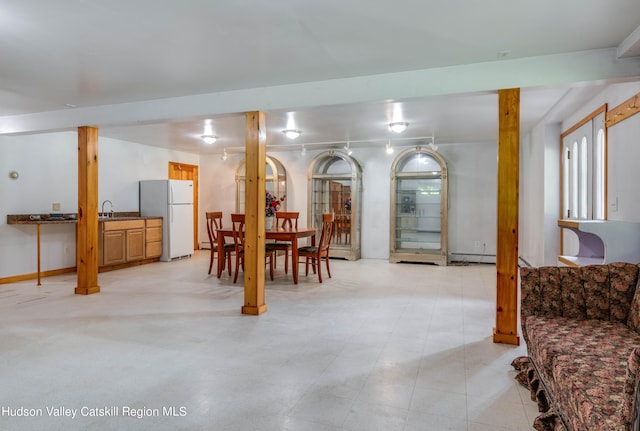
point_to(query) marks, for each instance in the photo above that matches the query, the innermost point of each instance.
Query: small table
(26, 219)
(276, 233)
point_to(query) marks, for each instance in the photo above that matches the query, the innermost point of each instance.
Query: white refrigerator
(173, 201)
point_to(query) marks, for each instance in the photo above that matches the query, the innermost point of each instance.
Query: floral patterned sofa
(582, 329)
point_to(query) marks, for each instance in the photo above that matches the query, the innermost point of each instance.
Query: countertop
(68, 218)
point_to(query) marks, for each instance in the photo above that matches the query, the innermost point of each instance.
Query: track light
(433, 146)
(303, 151)
(292, 133)
(398, 126)
(209, 139)
(348, 149)
(224, 155)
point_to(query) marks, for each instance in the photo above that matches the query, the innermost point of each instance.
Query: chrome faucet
(110, 212)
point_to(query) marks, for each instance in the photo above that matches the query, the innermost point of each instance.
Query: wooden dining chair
(343, 227)
(287, 220)
(315, 253)
(214, 222)
(237, 224)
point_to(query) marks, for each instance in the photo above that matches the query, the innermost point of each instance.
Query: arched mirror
(335, 186)
(418, 228)
(275, 182)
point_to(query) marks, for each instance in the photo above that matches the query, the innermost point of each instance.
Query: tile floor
(164, 347)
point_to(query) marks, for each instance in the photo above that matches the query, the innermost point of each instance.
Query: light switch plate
(55, 206)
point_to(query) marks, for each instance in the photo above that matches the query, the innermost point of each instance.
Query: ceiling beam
(630, 47)
(559, 69)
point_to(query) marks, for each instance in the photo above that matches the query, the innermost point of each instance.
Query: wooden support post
(87, 235)
(506, 330)
(38, 251)
(256, 153)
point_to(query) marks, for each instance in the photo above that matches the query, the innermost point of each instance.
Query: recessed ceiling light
(292, 133)
(209, 139)
(398, 126)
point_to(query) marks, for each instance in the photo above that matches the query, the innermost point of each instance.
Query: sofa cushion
(554, 336)
(633, 321)
(595, 280)
(590, 390)
(622, 277)
(529, 291)
(572, 293)
(550, 302)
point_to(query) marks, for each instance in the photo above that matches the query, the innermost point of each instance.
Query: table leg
(294, 258)
(38, 247)
(221, 255)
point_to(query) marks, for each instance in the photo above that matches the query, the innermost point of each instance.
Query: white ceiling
(74, 59)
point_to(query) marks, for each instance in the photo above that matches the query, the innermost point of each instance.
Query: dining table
(276, 233)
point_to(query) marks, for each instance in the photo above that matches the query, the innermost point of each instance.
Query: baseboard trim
(128, 264)
(34, 275)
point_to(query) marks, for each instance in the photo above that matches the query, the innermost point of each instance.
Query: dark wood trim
(34, 275)
(584, 121)
(128, 264)
(625, 110)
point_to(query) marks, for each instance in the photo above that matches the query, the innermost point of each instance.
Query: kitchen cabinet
(135, 244)
(153, 238)
(112, 248)
(121, 241)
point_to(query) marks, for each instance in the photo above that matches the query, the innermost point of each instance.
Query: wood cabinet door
(154, 249)
(113, 247)
(135, 244)
(153, 238)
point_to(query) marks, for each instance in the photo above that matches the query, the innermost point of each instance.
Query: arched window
(275, 182)
(583, 166)
(335, 186)
(583, 175)
(599, 176)
(418, 207)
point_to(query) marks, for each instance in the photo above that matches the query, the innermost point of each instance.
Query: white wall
(123, 164)
(624, 172)
(540, 176)
(47, 164)
(540, 195)
(48, 168)
(472, 194)
(472, 199)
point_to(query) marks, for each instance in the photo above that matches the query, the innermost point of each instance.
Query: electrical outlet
(55, 206)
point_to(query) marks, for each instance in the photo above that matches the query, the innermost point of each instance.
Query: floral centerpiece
(272, 205)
